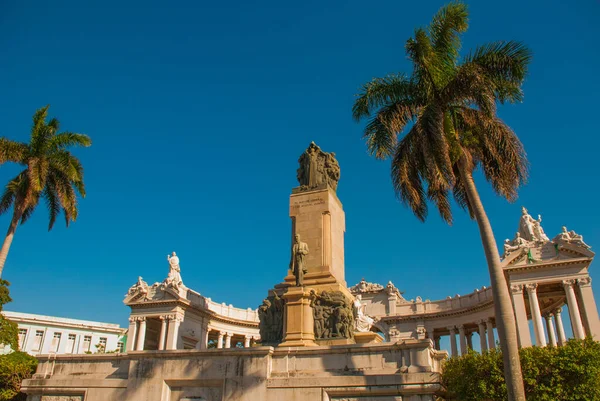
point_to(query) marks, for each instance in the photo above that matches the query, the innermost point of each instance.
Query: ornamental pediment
(141, 292)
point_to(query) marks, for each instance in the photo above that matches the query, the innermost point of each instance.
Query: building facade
(43, 335)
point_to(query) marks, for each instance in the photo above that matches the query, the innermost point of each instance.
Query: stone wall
(371, 371)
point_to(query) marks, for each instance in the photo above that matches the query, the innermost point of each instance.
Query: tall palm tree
(447, 107)
(51, 172)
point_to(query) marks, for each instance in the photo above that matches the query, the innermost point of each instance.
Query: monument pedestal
(299, 323)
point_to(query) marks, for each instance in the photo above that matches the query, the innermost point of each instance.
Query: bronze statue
(270, 315)
(317, 169)
(297, 262)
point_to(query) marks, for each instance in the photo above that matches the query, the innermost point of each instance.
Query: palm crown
(51, 171)
(448, 107)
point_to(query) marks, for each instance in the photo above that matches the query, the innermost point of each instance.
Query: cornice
(437, 315)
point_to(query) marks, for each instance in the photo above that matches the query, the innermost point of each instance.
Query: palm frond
(12, 151)
(445, 30)
(67, 139)
(506, 63)
(379, 92)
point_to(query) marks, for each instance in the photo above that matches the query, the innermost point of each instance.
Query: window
(121, 346)
(37, 343)
(55, 342)
(71, 344)
(22, 335)
(87, 342)
(102, 344)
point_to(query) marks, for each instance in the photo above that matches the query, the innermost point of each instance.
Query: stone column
(588, 306)
(470, 340)
(247, 341)
(482, 339)
(573, 309)
(463, 339)
(173, 332)
(520, 315)
(228, 340)
(436, 342)
(163, 333)
(220, 340)
(562, 338)
(204, 340)
(490, 333)
(141, 334)
(131, 334)
(453, 346)
(538, 325)
(550, 330)
(392, 300)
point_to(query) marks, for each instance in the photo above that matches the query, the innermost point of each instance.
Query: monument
(313, 338)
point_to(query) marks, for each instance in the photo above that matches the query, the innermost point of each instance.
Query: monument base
(299, 322)
(367, 338)
(335, 341)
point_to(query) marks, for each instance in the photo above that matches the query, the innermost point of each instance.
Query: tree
(51, 172)
(448, 108)
(568, 373)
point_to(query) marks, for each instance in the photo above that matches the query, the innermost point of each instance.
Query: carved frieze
(334, 316)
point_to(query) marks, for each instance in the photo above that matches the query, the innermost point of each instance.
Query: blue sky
(198, 112)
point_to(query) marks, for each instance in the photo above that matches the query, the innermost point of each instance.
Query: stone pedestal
(318, 217)
(367, 338)
(299, 325)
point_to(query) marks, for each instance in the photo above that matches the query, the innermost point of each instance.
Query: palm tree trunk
(18, 212)
(505, 319)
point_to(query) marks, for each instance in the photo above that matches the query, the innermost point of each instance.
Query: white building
(40, 334)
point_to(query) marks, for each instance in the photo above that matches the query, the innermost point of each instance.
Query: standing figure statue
(174, 277)
(526, 226)
(317, 169)
(297, 262)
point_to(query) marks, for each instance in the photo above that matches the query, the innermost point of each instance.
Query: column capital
(569, 282)
(584, 281)
(558, 312)
(481, 323)
(548, 315)
(132, 319)
(490, 320)
(461, 327)
(451, 328)
(532, 287)
(221, 334)
(140, 318)
(516, 288)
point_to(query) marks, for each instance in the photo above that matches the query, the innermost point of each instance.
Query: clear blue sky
(198, 112)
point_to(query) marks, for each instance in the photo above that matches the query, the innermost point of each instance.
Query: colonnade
(167, 339)
(485, 328)
(224, 339)
(583, 314)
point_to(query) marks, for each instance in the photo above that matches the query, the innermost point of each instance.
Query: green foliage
(446, 109)
(13, 369)
(9, 331)
(567, 373)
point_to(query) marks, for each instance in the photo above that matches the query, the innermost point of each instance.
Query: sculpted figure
(538, 231)
(363, 322)
(526, 225)
(174, 277)
(317, 168)
(570, 237)
(297, 262)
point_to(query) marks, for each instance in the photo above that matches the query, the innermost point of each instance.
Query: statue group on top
(531, 234)
(317, 168)
(173, 279)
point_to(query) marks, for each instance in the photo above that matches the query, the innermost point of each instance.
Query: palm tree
(51, 172)
(448, 108)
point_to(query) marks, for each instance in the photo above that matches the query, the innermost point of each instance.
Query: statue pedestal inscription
(299, 323)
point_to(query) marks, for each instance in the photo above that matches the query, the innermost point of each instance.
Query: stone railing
(222, 309)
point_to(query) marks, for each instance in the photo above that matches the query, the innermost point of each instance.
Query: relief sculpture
(333, 315)
(270, 315)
